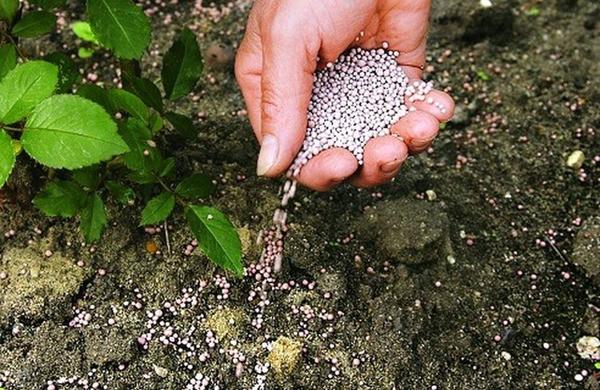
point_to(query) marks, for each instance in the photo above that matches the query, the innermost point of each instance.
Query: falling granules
(355, 99)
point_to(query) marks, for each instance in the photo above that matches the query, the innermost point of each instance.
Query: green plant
(83, 31)
(97, 156)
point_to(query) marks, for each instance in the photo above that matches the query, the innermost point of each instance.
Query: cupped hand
(275, 64)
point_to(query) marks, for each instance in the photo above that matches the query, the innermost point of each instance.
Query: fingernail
(390, 167)
(268, 154)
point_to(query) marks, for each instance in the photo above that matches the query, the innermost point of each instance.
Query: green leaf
(145, 90)
(142, 177)
(98, 95)
(34, 24)
(167, 167)
(88, 177)
(217, 237)
(7, 157)
(128, 102)
(68, 73)
(8, 9)
(482, 74)
(158, 209)
(182, 66)
(85, 52)
(24, 87)
(197, 186)
(8, 59)
(155, 123)
(48, 4)
(120, 25)
(141, 156)
(93, 219)
(60, 199)
(533, 11)
(183, 124)
(120, 192)
(68, 131)
(83, 31)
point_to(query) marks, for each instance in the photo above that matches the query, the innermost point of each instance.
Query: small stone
(160, 371)
(576, 159)
(588, 347)
(431, 195)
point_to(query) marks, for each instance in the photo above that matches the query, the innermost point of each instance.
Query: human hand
(275, 65)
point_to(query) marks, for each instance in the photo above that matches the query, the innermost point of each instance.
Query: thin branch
(12, 40)
(179, 201)
(166, 228)
(555, 249)
(9, 128)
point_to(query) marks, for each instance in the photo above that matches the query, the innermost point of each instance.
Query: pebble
(576, 159)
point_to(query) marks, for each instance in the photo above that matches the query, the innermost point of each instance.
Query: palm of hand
(278, 57)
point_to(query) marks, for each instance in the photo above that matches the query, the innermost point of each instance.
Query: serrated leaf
(48, 4)
(183, 124)
(141, 157)
(182, 66)
(7, 157)
(88, 177)
(8, 9)
(158, 209)
(145, 90)
(93, 219)
(197, 186)
(8, 59)
(83, 31)
(24, 87)
(34, 24)
(68, 131)
(126, 101)
(121, 26)
(98, 95)
(120, 192)
(60, 199)
(216, 236)
(68, 73)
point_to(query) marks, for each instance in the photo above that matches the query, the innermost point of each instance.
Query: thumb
(286, 85)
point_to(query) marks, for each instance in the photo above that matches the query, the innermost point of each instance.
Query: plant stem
(9, 128)
(166, 229)
(162, 183)
(179, 201)
(12, 40)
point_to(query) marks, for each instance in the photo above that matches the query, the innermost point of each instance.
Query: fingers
(418, 129)
(328, 169)
(286, 86)
(248, 69)
(437, 103)
(383, 158)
